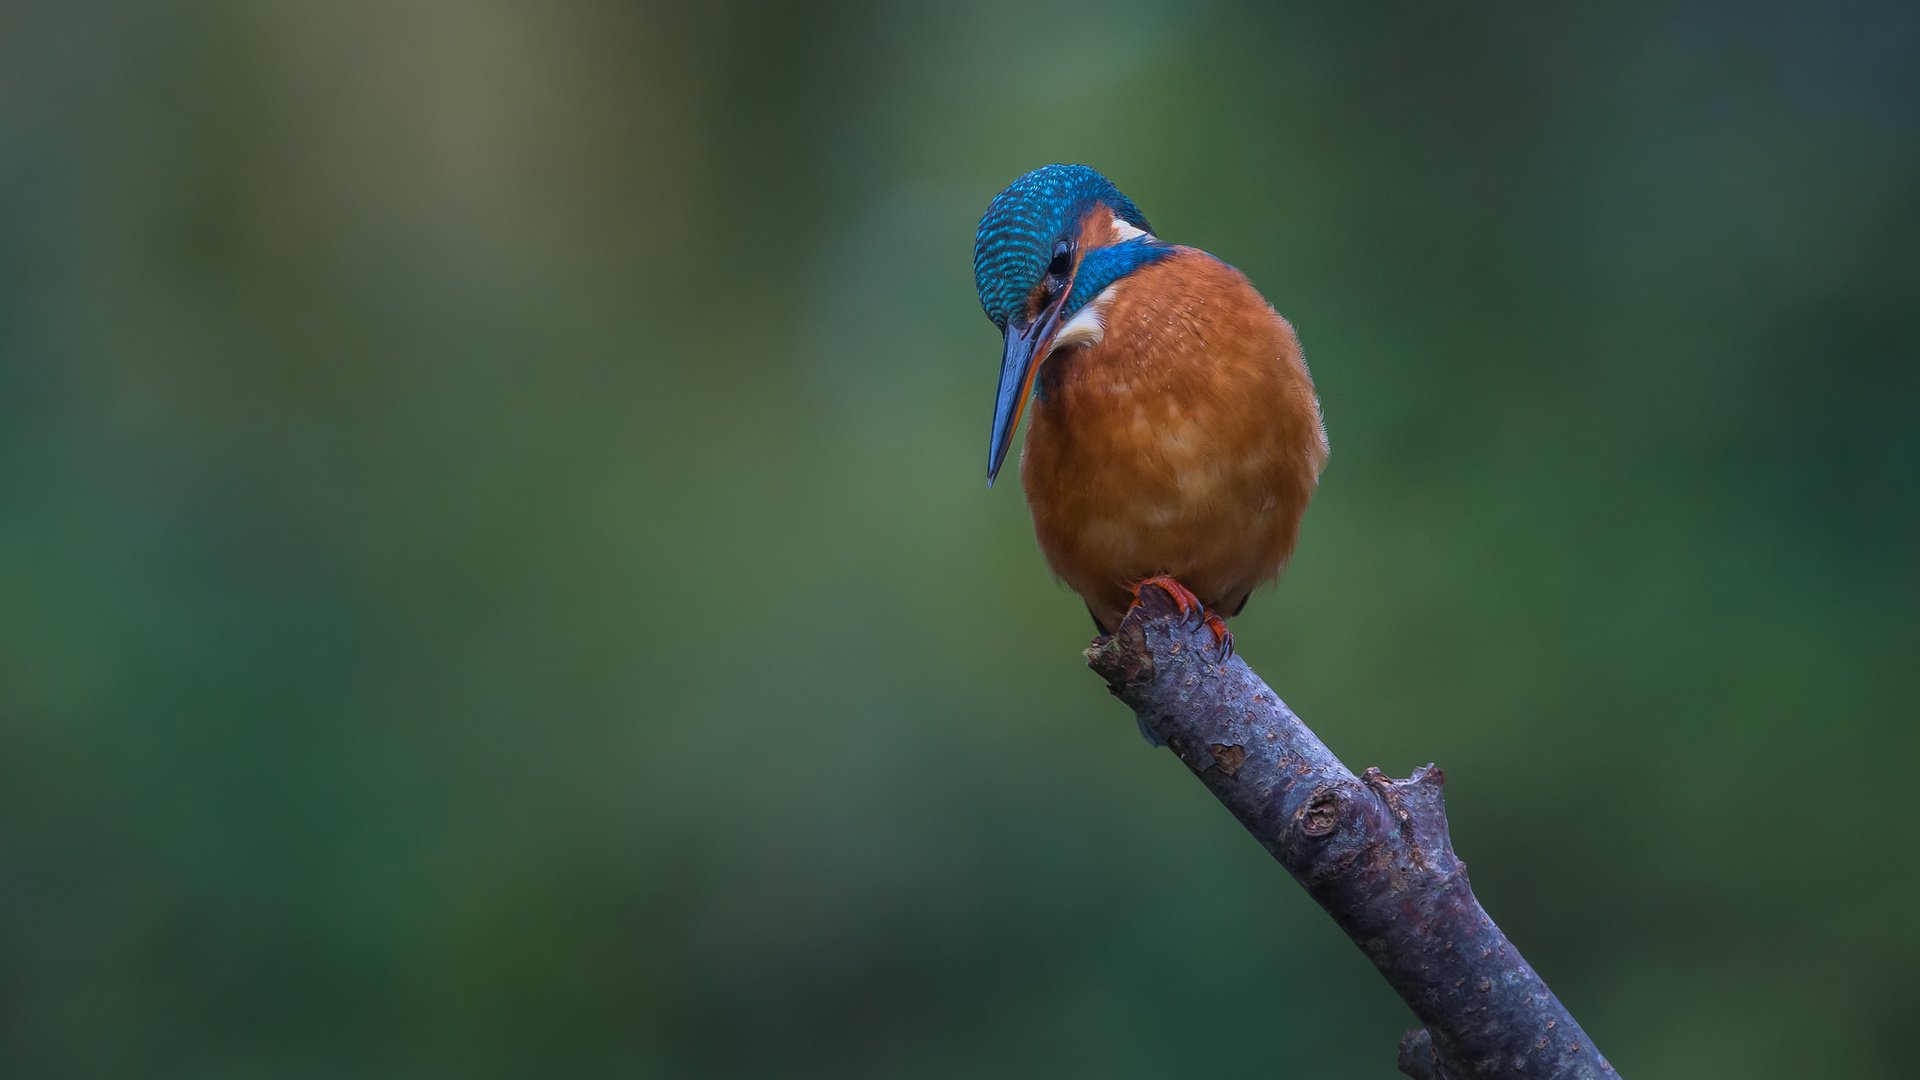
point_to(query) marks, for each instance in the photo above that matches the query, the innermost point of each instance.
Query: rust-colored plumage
(1175, 431)
(1186, 442)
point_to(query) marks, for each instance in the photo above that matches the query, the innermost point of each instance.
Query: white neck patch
(1123, 232)
(1088, 325)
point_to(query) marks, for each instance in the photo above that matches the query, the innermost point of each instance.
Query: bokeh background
(496, 579)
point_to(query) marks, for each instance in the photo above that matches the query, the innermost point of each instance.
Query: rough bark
(1374, 852)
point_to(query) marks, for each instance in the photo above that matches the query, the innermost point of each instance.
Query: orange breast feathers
(1185, 441)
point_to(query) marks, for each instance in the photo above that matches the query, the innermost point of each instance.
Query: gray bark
(1372, 851)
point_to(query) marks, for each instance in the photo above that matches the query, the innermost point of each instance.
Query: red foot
(1189, 608)
(1182, 598)
(1222, 637)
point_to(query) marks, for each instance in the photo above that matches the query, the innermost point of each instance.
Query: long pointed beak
(1027, 348)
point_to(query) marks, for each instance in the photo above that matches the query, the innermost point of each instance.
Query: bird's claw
(1181, 601)
(1181, 598)
(1222, 637)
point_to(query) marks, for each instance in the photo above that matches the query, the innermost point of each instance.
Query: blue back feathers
(1017, 234)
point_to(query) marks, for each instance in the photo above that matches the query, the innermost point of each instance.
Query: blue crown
(1016, 236)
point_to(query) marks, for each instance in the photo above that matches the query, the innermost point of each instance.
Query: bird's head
(1047, 247)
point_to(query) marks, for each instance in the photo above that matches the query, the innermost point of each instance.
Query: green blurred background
(496, 579)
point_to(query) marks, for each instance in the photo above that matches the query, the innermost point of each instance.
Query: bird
(1176, 436)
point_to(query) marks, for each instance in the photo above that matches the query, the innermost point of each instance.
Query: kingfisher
(1176, 437)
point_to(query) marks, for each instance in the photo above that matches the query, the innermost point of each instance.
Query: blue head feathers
(1033, 274)
(1021, 227)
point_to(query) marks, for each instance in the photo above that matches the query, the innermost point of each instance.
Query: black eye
(1062, 262)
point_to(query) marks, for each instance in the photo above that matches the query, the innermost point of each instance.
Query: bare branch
(1374, 852)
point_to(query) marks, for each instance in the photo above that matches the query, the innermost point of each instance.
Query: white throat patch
(1088, 325)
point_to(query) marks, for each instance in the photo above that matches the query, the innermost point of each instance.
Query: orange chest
(1153, 437)
(1187, 440)
(1195, 391)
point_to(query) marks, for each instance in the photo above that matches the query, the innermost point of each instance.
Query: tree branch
(1373, 852)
